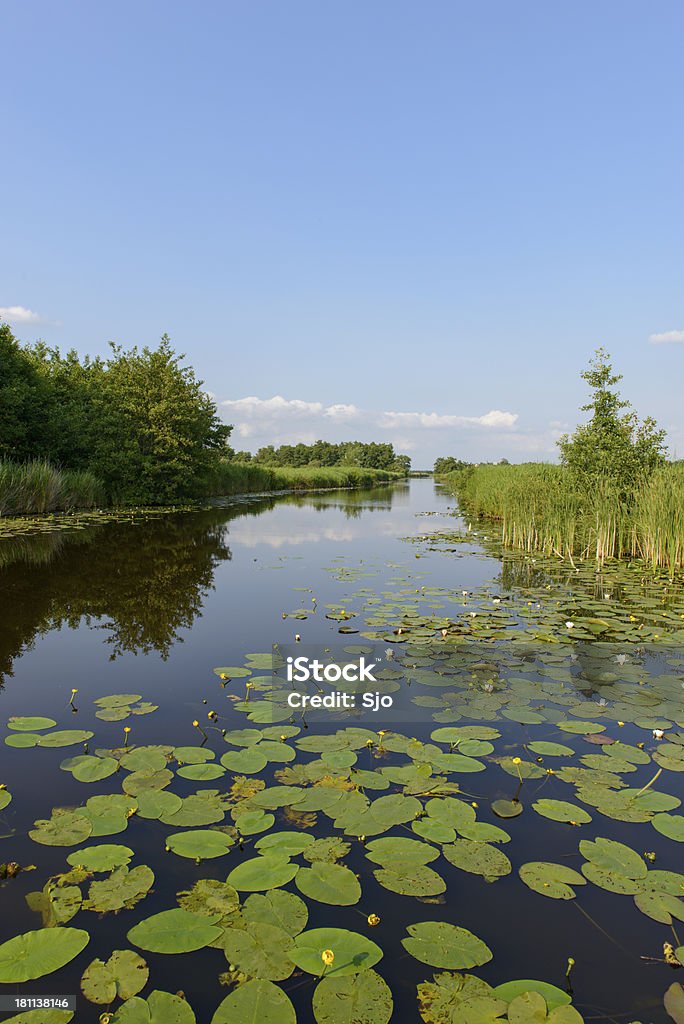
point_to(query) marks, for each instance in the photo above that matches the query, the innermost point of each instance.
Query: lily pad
(160, 1008)
(561, 810)
(200, 844)
(261, 873)
(122, 977)
(477, 858)
(34, 954)
(175, 931)
(255, 1002)
(30, 724)
(352, 952)
(123, 888)
(278, 907)
(329, 883)
(357, 999)
(259, 950)
(100, 858)
(440, 944)
(553, 880)
(64, 828)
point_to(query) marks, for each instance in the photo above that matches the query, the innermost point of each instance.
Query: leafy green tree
(23, 401)
(448, 464)
(613, 444)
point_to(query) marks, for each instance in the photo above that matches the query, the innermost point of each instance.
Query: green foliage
(613, 445)
(325, 454)
(448, 464)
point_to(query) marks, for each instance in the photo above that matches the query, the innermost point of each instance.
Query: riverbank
(36, 488)
(539, 507)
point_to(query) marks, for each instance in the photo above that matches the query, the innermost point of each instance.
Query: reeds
(543, 508)
(248, 478)
(36, 487)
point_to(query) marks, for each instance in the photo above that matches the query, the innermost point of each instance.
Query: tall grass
(248, 478)
(36, 487)
(542, 508)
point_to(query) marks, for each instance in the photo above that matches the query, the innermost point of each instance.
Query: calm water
(151, 607)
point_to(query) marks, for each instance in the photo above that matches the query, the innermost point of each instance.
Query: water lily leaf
(450, 811)
(415, 880)
(507, 808)
(435, 831)
(440, 944)
(561, 810)
(554, 997)
(64, 738)
(260, 873)
(670, 825)
(674, 1002)
(581, 727)
(550, 749)
(252, 822)
(22, 739)
(278, 907)
(273, 797)
(100, 858)
(450, 998)
(200, 844)
(5, 798)
(30, 724)
(123, 888)
(380, 816)
(64, 828)
(113, 714)
(613, 856)
(329, 883)
(94, 769)
(357, 999)
(397, 852)
(117, 700)
(259, 950)
(611, 880)
(483, 832)
(193, 755)
(198, 809)
(553, 880)
(210, 897)
(352, 952)
(57, 904)
(233, 672)
(201, 772)
(527, 1008)
(158, 804)
(145, 780)
(247, 761)
(160, 1008)
(329, 849)
(477, 858)
(41, 1017)
(141, 759)
(34, 954)
(175, 931)
(122, 976)
(256, 1002)
(108, 815)
(660, 906)
(243, 737)
(288, 843)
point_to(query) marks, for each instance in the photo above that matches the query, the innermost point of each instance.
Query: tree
(613, 444)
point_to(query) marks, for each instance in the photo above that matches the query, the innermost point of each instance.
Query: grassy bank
(248, 478)
(36, 487)
(540, 508)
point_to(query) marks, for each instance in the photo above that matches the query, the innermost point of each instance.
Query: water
(152, 606)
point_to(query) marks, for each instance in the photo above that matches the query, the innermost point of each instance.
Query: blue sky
(387, 219)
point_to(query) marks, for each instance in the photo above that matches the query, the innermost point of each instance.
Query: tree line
(373, 455)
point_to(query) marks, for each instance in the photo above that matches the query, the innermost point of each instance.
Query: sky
(377, 219)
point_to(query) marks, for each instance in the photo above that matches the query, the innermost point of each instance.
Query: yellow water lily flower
(328, 957)
(373, 920)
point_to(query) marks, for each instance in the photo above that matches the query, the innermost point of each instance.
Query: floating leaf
(175, 931)
(160, 1008)
(277, 907)
(100, 858)
(507, 808)
(415, 880)
(28, 724)
(64, 738)
(159, 804)
(329, 883)
(613, 856)
(200, 844)
(440, 944)
(260, 873)
(94, 769)
(554, 997)
(122, 976)
(255, 1002)
(561, 810)
(553, 880)
(670, 825)
(477, 858)
(56, 903)
(288, 843)
(357, 999)
(64, 828)
(201, 772)
(259, 950)
(352, 952)
(140, 759)
(34, 954)
(123, 888)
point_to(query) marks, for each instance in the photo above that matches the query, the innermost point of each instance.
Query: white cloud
(433, 420)
(667, 338)
(19, 315)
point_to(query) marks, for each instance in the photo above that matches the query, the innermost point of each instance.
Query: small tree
(614, 444)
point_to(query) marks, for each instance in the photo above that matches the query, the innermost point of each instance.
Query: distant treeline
(323, 453)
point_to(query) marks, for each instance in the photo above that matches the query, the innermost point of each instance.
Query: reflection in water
(141, 581)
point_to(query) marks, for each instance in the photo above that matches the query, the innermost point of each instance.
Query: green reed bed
(544, 508)
(245, 478)
(36, 487)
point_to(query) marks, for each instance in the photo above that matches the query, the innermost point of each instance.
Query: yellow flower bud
(373, 920)
(328, 957)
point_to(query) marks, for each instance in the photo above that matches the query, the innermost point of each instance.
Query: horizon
(369, 223)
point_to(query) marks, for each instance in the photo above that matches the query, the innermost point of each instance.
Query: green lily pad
(94, 769)
(260, 873)
(34, 954)
(201, 772)
(660, 906)
(352, 952)
(259, 950)
(670, 825)
(160, 1008)
(357, 999)
(561, 810)
(546, 749)
(145, 780)
(613, 856)
(193, 755)
(329, 883)
(256, 1002)
(435, 831)
(141, 759)
(415, 880)
(22, 739)
(29, 724)
(64, 828)
(122, 977)
(288, 843)
(440, 944)
(5, 799)
(278, 907)
(554, 996)
(117, 700)
(123, 888)
(175, 931)
(100, 858)
(553, 880)
(108, 815)
(56, 904)
(507, 808)
(200, 844)
(477, 858)
(159, 804)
